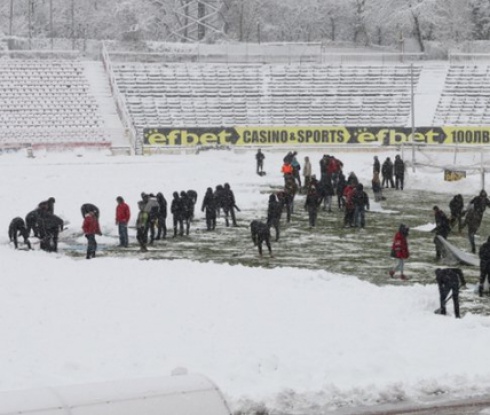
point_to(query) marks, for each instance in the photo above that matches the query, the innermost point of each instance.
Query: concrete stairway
(100, 89)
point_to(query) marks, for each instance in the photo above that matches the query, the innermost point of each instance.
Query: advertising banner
(454, 175)
(316, 135)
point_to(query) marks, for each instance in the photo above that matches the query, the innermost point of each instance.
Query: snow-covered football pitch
(74, 179)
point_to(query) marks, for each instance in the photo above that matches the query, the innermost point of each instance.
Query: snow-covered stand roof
(185, 394)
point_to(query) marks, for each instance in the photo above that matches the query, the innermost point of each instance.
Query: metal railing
(121, 105)
(464, 58)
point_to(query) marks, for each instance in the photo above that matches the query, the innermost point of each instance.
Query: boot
(403, 277)
(392, 273)
(480, 290)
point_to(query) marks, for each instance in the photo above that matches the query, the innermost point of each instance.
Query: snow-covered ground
(299, 341)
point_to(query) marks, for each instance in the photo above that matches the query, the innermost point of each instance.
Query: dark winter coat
(387, 169)
(325, 186)
(360, 199)
(177, 208)
(456, 206)
(192, 194)
(32, 221)
(484, 252)
(186, 205)
(274, 210)
(259, 231)
(399, 167)
(442, 224)
(312, 202)
(209, 204)
(162, 206)
(17, 227)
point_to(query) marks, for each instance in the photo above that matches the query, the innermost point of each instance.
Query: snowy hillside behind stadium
(294, 340)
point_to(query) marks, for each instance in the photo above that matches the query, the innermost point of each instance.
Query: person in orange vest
(287, 169)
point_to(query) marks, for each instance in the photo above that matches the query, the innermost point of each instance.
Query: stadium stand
(465, 99)
(201, 95)
(47, 102)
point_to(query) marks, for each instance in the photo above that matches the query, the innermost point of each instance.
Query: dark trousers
(49, 241)
(444, 291)
(349, 216)
(484, 272)
(178, 222)
(439, 246)
(274, 223)
(230, 211)
(260, 240)
(162, 228)
(312, 215)
(91, 246)
(399, 179)
(123, 234)
(25, 235)
(141, 237)
(260, 166)
(210, 220)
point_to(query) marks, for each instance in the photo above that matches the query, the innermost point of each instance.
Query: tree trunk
(51, 34)
(29, 22)
(73, 24)
(418, 32)
(11, 18)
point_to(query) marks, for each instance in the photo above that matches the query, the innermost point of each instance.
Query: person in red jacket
(90, 229)
(123, 214)
(399, 251)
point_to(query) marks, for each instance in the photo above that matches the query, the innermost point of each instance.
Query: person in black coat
(474, 216)
(442, 229)
(456, 206)
(162, 217)
(260, 234)
(229, 205)
(484, 254)
(259, 157)
(49, 228)
(192, 195)
(449, 280)
(177, 209)
(325, 192)
(209, 207)
(219, 199)
(274, 211)
(360, 199)
(312, 203)
(48, 205)
(32, 222)
(387, 173)
(399, 168)
(89, 207)
(187, 210)
(18, 227)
